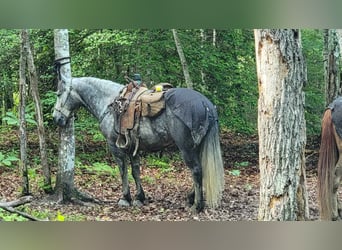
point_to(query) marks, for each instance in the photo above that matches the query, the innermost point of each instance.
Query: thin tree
(186, 73)
(39, 116)
(22, 120)
(65, 187)
(203, 40)
(65, 172)
(281, 125)
(331, 56)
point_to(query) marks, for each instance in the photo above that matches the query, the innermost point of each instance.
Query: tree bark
(331, 56)
(281, 125)
(186, 73)
(65, 173)
(39, 117)
(22, 120)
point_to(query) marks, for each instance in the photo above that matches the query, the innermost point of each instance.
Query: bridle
(62, 109)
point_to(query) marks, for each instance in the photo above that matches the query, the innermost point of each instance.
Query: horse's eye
(60, 92)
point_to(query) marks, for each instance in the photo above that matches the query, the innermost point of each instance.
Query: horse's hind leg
(140, 195)
(191, 196)
(336, 205)
(195, 197)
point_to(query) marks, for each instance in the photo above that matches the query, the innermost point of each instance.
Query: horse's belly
(153, 134)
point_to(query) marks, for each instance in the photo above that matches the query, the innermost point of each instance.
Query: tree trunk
(39, 117)
(214, 37)
(22, 120)
(331, 56)
(203, 40)
(281, 125)
(65, 173)
(186, 73)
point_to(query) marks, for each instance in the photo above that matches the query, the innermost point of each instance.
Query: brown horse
(330, 162)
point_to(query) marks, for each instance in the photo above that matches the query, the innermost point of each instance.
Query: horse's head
(65, 105)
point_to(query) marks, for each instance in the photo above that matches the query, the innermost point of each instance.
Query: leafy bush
(12, 120)
(8, 159)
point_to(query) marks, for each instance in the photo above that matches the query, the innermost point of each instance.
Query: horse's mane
(105, 86)
(99, 81)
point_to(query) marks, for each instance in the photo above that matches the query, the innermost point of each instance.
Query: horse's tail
(212, 167)
(328, 156)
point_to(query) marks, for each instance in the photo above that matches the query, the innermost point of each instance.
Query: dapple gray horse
(189, 121)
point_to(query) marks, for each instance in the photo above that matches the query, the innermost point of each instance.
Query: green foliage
(148, 179)
(241, 164)
(100, 168)
(237, 166)
(11, 119)
(87, 125)
(7, 216)
(8, 159)
(163, 163)
(48, 102)
(315, 87)
(235, 172)
(43, 214)
(225, 71)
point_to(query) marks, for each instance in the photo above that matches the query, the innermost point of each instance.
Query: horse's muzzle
(59, 119)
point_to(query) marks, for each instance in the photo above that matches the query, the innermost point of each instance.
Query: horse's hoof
(190, 200)
(137, 203)
(195, 209)
(123, 203)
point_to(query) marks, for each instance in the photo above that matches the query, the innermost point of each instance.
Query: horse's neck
(96, 94)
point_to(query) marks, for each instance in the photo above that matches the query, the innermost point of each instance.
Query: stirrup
(123, 142)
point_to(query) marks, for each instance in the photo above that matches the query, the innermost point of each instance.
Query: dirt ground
(166, 191)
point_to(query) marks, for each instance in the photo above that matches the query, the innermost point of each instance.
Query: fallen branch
(8, 206)
(16, 203)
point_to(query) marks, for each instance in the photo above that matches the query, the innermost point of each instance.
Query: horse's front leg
(120, 157)
(140, 195)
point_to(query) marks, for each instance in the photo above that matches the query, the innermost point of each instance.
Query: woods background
(218, 63)
(221, 64)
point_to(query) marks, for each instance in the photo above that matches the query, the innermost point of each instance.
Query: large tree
(281, 125)
(331, 56)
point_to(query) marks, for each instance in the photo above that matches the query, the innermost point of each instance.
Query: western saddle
(135, 101)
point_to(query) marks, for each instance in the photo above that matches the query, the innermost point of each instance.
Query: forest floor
(165, 188)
